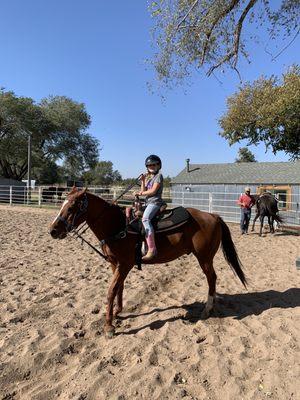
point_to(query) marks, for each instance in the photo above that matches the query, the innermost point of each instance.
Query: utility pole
(29, 170)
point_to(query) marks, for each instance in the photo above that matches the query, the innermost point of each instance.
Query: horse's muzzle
(57, 235)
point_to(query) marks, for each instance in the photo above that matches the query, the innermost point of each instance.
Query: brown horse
(201, 235)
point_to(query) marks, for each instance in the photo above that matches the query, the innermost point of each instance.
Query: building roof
(241, 173)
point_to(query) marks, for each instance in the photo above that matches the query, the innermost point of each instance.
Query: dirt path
(52, 301)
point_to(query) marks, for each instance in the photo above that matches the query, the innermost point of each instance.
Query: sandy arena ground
(52, 301)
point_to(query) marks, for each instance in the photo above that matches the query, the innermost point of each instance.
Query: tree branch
(213, 25)
(285, 47)
(187, 14)
(236, 43)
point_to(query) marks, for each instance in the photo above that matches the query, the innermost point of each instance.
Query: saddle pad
(167, 220)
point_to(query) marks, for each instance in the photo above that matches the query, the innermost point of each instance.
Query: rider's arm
(152, 191)
(143, 186)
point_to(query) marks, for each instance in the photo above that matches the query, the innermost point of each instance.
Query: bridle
(77, 233)
(82, 209)
(80, 230)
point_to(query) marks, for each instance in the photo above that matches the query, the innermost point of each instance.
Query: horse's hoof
(117, 313)
(205, 314)
(110, 332)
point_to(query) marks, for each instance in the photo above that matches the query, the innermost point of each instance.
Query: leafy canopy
(209, 33)
(58, 127)
(268, 110)
(102, 174)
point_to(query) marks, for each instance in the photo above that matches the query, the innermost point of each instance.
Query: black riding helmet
(153, 159)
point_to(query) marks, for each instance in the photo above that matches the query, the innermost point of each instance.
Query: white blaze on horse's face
(60, 211)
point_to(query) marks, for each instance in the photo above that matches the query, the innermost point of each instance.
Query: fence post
(210, 203)
(40, 196)
(10, 196)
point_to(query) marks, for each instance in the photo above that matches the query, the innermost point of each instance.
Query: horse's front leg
(255, 218)
(117, 282)
(119, 306)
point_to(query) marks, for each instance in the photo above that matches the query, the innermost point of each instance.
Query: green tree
(245, 155)
(130, 181)
(268, 111)
(58, 127)
(102, 174)
(48, 173)
(167, 181)
(209, 33)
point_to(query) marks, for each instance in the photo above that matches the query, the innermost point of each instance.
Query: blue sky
(94, 52)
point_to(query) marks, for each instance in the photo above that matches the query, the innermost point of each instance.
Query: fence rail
(222, 203)
(45, 196)
(225, 204)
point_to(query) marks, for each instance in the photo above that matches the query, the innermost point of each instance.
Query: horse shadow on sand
(238, 306)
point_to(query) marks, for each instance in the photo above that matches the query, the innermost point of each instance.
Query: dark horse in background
(266, 206)
(201, 235)
(48, 194)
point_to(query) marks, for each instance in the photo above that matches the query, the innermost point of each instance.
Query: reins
(77, 233)
(129, 187)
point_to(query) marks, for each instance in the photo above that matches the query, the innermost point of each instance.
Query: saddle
(164, 221)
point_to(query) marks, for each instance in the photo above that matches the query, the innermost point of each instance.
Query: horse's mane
(75, 193)
(115, 208)
(112, 204)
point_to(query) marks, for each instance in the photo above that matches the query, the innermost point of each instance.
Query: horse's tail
(278, 218)
(273, 211)
(230, 252)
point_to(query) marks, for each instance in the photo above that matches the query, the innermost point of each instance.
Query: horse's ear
(85, 190)
(73, 190)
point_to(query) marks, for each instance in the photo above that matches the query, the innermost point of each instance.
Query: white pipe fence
(54, 196)
(225, 204)
(222, 203)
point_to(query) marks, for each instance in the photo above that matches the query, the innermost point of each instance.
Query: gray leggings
(149, 213)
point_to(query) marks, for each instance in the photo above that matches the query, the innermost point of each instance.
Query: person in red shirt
(246, 201)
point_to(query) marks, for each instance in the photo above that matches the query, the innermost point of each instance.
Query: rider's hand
(143, 178)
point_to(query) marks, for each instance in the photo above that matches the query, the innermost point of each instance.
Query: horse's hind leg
(208, 269)
(272, 224)
(262, 217)
(270, 221)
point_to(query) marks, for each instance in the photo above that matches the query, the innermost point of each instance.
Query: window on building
(282, 194)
